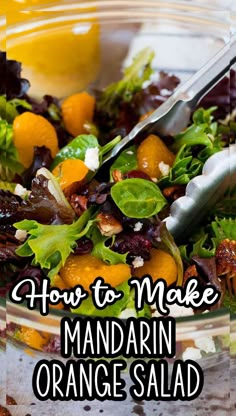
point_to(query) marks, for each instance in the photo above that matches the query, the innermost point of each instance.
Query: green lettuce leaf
(134, 76)
(101, 250)
(202, 131)
(50, 245)
(9, 162)
(204, 241)
(185, 168)
(224, 228)
(8, 108)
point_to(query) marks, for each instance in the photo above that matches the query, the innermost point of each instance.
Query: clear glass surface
(184, 35)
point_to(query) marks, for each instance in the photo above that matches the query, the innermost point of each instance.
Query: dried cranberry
(84, 246)
(137, 174)
(136, 244)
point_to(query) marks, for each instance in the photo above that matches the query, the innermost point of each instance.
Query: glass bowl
(184, 35)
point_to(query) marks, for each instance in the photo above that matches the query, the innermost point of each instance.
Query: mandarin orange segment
(150, 153)
(162, 265)
(83, 270)
(70, 171)
(31, 130)
(33, 338)
(76, 111)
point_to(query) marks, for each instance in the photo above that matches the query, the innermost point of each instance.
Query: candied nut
(108, 225)
(174, 192)
(117, 175)
(191, 271)
(78, 203)
(226, 258)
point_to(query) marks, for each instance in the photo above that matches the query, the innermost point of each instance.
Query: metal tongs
(174, 115)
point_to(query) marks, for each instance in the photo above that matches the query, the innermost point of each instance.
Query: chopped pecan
(174, 192)
(78, 203)
(108, 225)
(191, 271)
(226, 258)
(117, 175)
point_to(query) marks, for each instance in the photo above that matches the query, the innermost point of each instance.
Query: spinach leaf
(126, 161)
(138, 198)
(77, 148)
(101, 250)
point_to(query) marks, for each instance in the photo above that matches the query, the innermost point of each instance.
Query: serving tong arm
(173, 116)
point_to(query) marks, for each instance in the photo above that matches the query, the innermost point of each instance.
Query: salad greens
(138, 198)
(49, 251)
(9, 162)
(56, 223)
(77, 148)
(8, 108)
(205, 241)
(126, 161)
(203, 132)
(101, 250)
(185, 167)
(134, 76)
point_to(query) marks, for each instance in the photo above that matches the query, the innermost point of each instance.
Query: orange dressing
(60, 56)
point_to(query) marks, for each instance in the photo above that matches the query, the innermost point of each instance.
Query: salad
(65, 216)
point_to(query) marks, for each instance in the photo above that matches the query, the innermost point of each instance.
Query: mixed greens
(60, 212)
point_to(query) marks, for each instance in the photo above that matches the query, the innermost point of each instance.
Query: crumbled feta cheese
(138, 226)
(176, 311)
(138, 262)
(21, 235)
(91, 159)
(154, 180)
(164, 91)
(129, 152)
(191, 353)
(206, 344)
(21, 191)
(128, 313)
(164, 168)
